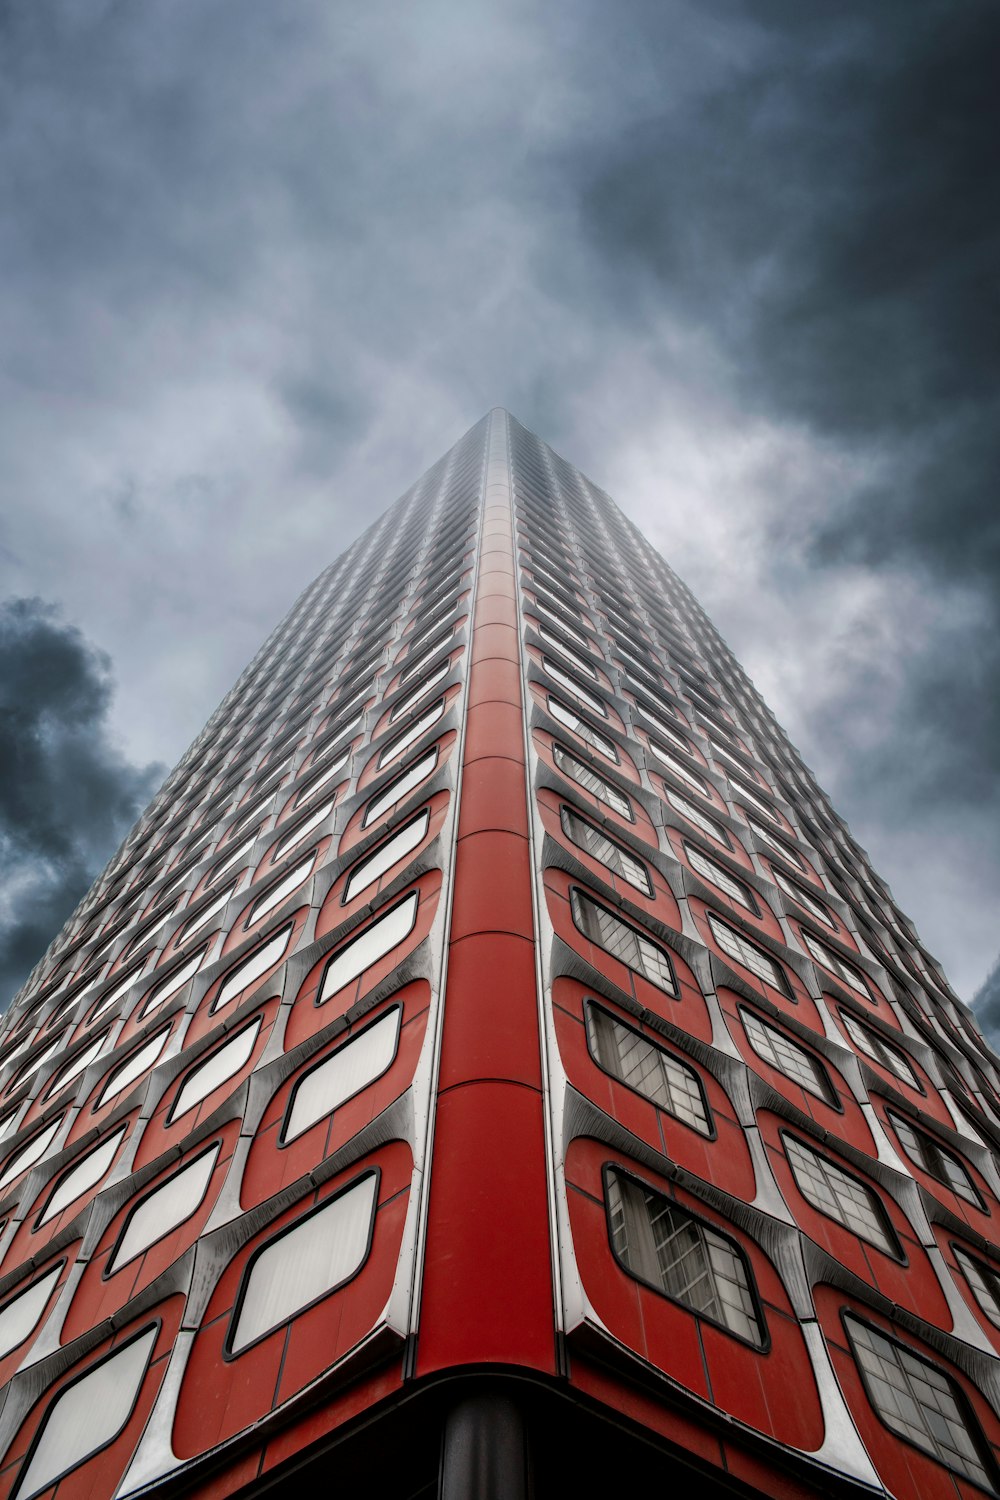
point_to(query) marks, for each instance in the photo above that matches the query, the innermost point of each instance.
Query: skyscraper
(491, 1068)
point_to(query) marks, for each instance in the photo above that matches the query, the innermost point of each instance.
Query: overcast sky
(263, 261)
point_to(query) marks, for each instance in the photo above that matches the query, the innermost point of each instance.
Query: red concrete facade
(491, 1068)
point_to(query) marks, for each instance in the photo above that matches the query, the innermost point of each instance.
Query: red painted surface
(772, 1389)
(488, 1229)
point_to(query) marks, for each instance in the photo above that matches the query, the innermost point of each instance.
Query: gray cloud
(987, 1004)
(67, 795)
(262, 264)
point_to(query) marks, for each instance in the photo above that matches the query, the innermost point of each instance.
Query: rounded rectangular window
(682, 1256)
(220, 1065)
(87, 1414)
(343, 1074)
(840, 1196)
(163, 1209)
(302, 831)
(716, 875)
(368, 871)
(921, 1403)
(612, 855)
(936, 1160)
(571, 720)
(401, 787)
(648, 1069)
(697, 818)
(134, 1066)
(305, 1263)
(400, 746)
(274, 897)
(742, 951)
(624, 942)
(372, 944)
(82, 1177)
(174, 983)
(788, 1057)
(252, 968)
(577, 770)
(565, 680)
(21, 1315)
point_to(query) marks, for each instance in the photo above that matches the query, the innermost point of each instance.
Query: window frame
(566, 809)
(581, 893)
(831, 1099)
(783, 987)
(901, 1257)
(974, 1196)
(970, 1421)
(610, 1169)
(284, 1143)
(711, 1133)
(229, 1355)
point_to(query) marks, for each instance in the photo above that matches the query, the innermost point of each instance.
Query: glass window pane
(214, 1071)
(936, 1160)
(28, 1154)
(400, 788)
(571, 656)
(647, 1068)
(252, 967)
(687, 1259)
(273, 898)
(20, 1316)
(800, 895)
(572, 686)
(623, 941)
(371, 945)
(233, 858)
(921, 1403)
(410, 736)
(173, 983)
(695, 816)
(302, 830)
(133, 1067)
(326, 775)
(342, 1075)
(88, 1414)
(879, 1050)
(581, 773)
(78, 1065)
(305, 1263)
(83, 1176)
(586, 732)
(717, 876)
(167, 1206)
(620, 861)
(407, 704)
(984, 1281)
(840, 1196)
(371, 869)
(742, 951)
(205, 915)
(832, 961)
(787, 1056)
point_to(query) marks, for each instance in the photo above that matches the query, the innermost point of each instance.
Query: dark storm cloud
(986, 1002)
(67, 796)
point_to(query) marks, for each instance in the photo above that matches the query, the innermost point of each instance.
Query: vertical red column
(487, 1284)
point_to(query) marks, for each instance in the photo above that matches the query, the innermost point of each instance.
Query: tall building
(491, 1068)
